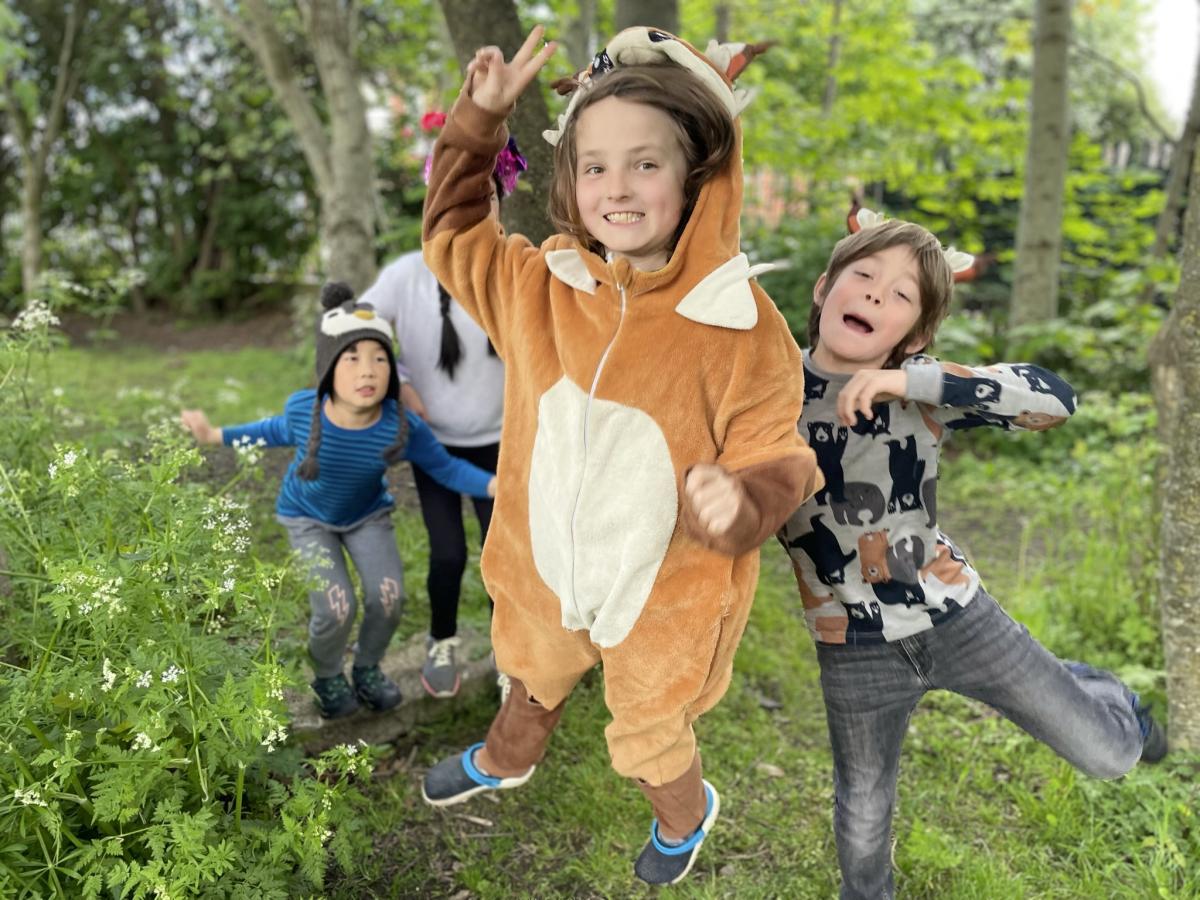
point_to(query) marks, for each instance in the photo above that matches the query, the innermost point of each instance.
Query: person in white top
(451, 377)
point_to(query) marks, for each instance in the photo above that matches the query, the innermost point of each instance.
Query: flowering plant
(143, 730)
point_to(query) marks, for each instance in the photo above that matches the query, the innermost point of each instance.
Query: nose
(873, 298)
(616, 186)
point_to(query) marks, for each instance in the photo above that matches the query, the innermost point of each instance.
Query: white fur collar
(722, 298)
(568, 267)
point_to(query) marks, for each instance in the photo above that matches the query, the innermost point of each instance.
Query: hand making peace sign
(494, 84)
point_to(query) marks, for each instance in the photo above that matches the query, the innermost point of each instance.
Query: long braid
(451, 351)
(395, 452)
(310, 468)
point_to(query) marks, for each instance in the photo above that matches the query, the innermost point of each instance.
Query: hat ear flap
(335, 293)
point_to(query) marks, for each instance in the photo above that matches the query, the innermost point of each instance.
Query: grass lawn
(984, 811)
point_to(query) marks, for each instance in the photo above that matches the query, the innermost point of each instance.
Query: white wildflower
(109, 676)
(144, 679)
(30, 797)
(143, 742)
(35, 315)
(171, 675)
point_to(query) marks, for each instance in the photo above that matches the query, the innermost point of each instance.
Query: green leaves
(141, 704)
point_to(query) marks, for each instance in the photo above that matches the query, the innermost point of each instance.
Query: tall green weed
(142, 721)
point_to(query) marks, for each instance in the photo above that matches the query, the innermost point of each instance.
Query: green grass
(983, 811)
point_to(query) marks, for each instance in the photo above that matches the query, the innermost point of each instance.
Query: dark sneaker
(661, 863)
(1154, 738)
(334, 697)
(456, 779)
(440, 674)
(375, 689)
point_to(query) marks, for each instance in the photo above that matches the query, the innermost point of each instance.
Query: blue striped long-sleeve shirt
(352, 483)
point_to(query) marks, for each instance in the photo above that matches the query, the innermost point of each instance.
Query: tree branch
(257, 30)
(1133, 79)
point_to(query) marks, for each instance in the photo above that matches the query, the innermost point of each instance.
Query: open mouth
(624, 218)
(857, 325)
(366, 391)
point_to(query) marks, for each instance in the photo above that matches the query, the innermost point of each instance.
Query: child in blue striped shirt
(334, 495)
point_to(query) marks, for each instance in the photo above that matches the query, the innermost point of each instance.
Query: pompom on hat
(344, 322)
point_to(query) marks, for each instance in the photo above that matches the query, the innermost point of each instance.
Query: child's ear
(918, 343)
(819, 290)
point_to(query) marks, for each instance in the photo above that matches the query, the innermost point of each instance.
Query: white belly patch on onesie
(601, 515)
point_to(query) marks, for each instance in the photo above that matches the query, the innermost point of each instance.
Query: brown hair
(702, 124)
(935, 281)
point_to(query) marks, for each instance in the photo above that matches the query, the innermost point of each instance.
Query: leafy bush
(142, 720)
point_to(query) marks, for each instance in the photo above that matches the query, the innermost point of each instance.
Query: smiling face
(870, 309)
(361, 375)
(629, 178)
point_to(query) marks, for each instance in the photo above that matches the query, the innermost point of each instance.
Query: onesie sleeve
(1013, 396)
(762, 449)
(465, 248)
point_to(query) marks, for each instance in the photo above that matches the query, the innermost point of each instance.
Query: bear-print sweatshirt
(870, 561)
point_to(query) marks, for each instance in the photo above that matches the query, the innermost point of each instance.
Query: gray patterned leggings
(372, 548)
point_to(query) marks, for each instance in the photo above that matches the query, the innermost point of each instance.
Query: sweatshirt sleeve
(762, 449)
(1013, 396)
(273, 432)
(465, 248)
(426, 451)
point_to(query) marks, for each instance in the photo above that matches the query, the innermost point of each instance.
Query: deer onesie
(617, 382)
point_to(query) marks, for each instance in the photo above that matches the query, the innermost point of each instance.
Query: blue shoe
(456, 779)
(661, 863)
(1154, 738)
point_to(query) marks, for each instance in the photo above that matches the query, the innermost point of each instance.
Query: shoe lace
(443, 651)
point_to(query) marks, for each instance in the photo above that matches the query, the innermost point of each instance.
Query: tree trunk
(721, 16)
(473, 24)
(339, 158)
(1181, 164)
(1175, 362)
(655, 13)
(31, 228)
(348, 210)
(35, 148)
(1039, 230)
(579, 38)
(835, 52)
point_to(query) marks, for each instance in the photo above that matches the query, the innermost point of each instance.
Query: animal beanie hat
(344, 322)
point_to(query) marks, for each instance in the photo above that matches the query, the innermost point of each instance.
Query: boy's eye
(904, 296)
(861, 274)
(646, 164)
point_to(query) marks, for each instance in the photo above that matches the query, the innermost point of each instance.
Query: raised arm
(467, 251)
(1013, 396)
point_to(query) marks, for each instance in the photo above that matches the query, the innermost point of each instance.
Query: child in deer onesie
(651, 398)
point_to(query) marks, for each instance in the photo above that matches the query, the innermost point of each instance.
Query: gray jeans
(372, 548)
(1083, 714)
